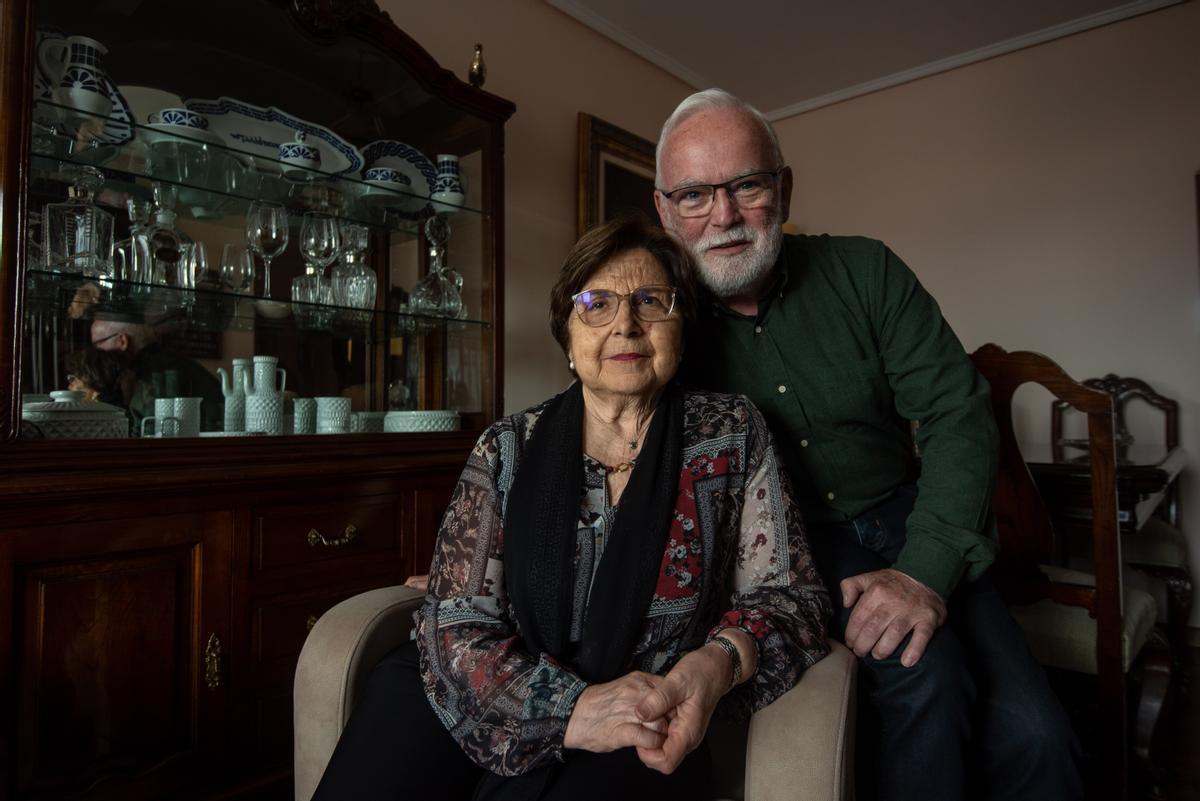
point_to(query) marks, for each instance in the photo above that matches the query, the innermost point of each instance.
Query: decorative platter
(259, 131)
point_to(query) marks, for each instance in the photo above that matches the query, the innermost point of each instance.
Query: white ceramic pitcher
(264, 401)
(72, 68)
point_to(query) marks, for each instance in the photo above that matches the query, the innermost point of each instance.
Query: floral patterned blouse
(735, 556)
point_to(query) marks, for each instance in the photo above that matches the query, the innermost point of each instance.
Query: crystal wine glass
(195, 267)
(237, 268)
(237, 272)
(320, 240)
(267, 235)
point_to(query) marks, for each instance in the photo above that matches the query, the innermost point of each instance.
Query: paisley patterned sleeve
(775, 593)
(507, 710)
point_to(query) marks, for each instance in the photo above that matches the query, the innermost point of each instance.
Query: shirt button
(803, 443)
(758, 329)
(782, 389)
(829, 495)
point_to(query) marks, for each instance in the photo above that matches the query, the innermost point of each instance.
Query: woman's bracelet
(730, 648)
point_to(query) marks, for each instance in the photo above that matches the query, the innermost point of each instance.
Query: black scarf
(540, 527)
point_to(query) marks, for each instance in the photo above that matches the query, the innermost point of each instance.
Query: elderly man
(840, 347)
(170, 374)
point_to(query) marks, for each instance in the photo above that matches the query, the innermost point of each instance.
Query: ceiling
(796, 55)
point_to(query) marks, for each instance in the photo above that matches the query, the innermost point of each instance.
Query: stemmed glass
(267, 235)
(191, 270)
(320, 240)
(237, 268)
(237, 272)
(195, 266)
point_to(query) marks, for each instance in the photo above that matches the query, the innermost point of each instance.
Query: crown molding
(972, 56)
(689, 76)
(606, 28)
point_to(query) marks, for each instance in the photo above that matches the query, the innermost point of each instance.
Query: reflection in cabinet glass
(229, 123)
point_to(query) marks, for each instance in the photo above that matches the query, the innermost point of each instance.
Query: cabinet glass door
(213, 156)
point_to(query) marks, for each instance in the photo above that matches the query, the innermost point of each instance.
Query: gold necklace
(618, 468)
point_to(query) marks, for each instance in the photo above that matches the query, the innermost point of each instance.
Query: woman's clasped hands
(664, 717)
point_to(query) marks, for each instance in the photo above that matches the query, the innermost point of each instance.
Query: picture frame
(616, 173)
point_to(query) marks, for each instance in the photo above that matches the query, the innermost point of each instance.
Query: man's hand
(420, 582)
(685, 699)
(605, 716)
(888, 605)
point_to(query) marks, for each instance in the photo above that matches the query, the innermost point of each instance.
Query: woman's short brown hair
(604, 243)
(99, 371)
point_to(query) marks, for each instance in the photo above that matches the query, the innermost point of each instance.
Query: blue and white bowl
(388, 175)
(184, 118)
(300, 154)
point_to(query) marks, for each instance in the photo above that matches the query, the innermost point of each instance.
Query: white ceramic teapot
(235, 395)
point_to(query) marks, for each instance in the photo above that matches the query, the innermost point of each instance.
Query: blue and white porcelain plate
(260, 131)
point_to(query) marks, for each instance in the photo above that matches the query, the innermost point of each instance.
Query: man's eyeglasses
(650, 304)
(751, 191)
(96, 342)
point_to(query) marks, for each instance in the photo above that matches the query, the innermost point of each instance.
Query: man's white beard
(730, 276)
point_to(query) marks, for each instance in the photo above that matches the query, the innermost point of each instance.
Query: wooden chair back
(1123, 390)
(1026, 534)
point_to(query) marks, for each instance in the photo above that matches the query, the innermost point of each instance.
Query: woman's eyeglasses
(650, 304)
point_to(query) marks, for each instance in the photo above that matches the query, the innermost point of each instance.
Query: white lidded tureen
(69, 416)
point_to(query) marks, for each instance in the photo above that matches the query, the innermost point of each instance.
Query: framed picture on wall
(616, 173)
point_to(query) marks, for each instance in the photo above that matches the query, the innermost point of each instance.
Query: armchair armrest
(802, 745)
(338, 655)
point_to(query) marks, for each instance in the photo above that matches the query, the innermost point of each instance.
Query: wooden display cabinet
(155, 592)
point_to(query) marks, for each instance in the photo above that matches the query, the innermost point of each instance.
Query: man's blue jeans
(975, 718)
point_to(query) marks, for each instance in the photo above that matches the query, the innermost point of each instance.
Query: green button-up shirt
(846, 349)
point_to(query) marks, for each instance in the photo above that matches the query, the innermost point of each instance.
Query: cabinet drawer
(280, 625)
(286, 536)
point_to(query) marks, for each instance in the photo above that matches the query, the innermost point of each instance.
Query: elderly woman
(616, 563)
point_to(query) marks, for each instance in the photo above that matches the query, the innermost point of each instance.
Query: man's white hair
(706, 100)
(140, 335)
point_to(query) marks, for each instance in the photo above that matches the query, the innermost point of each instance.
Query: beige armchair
(800, 747)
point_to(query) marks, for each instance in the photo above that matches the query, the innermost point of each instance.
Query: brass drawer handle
(317, 538)
(212, 662)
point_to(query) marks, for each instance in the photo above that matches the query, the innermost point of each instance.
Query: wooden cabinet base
(154, 631)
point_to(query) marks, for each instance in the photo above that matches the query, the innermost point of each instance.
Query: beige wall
(1046, 198)
(552, 68)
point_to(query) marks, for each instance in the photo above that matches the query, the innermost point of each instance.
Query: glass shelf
(212, 309)
(216, 180)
